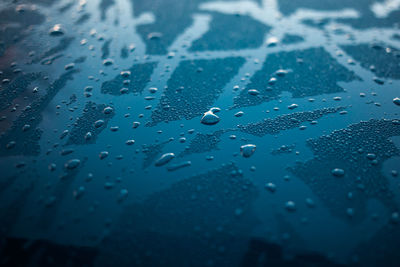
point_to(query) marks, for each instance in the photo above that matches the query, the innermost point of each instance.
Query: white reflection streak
(382, 10)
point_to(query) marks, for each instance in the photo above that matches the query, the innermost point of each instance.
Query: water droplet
(103, 155)
(98, 123)
(378, 80)
(239, 114)
(171, 55)
(88, 136)
(26, 127)
(396, 101)
(72, 164)
(153, 90)
(130, 142)
(108, 62)
(125, 73)
(69, 66)
(52, 167)
(338, 172)
(247, 150)
(135, 124)
(56, 30)
(290, 206)
(310, 203)
(164, 159)
(108, 185)
(272, 41)
(272, 81)
(281, 72)
(154, 35)
(209, 118)
(253, 92)
(108, 110)
(11, 144)
(270, 187)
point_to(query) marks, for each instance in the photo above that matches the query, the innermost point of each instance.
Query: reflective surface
(199, 133)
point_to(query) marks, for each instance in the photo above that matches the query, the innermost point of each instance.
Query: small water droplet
(56, 30)
(338, 172)
(103, 154)
(72, 164)
(290, 206)
(253, 92)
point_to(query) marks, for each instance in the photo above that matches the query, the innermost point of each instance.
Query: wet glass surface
(199, 133)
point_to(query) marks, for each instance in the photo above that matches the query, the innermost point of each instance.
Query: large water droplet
(247, 150)
(164, 159)
(209, 118)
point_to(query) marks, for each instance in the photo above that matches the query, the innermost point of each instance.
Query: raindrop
(130, 142)
(98, 123)
(125, 73)
(247, 150)
(338, 172)
(153, 90)
(209, 118)
(270, 187)
(26, 127)
(72, 164)
(88, 136)
(239, 114)
(108, 110)
(108, 62)
(290, 206)
(56, 30)
(253, 92)
(281, 72)
(103, 155)
(11, 144)
(52, 167)
(69, 66)
(272, 41)
(164, 159)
